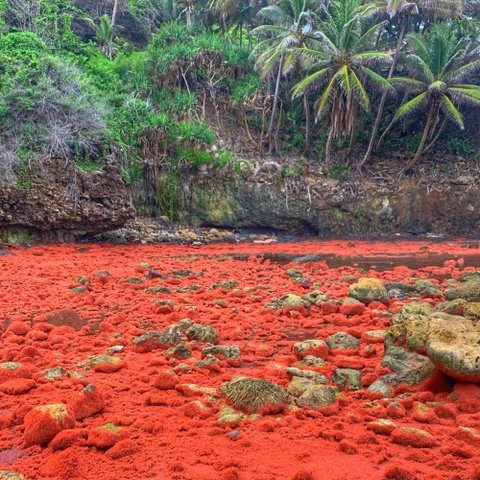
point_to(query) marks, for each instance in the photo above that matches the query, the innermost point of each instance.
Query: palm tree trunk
(275, 97)
(421, 145)
(115, 11)
(381, 107)
(328, 147)
(307, 121)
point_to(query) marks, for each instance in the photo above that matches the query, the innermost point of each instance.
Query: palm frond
(411, 106)
(452, 112)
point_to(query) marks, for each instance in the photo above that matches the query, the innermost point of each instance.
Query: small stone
(317, 396)
(54, 373)
(374, 336)
(316, 348)
(352, 306)
(413, 437)
(223, 351)
(382, 388)
(44, 422)
(106, 363)
(472, 310)
(17, 386)
(166, 380)
(105, 437)
(229, 416)
(115, 349)
(342, 341)
(79, 289)
(311, 361)
(89, 402)
(382, 426)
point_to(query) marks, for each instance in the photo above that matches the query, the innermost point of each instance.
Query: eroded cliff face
(62, 204)
(316, 204)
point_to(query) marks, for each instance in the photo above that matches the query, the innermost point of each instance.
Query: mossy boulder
(368, 290)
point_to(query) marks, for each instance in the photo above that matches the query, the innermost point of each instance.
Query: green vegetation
(209, 81)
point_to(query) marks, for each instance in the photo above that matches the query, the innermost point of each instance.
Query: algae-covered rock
(348, 378)
(412, 308)
(470, 291)
(368, 290)
(454, 347)
(316, 348)
(342, 340)
(317, 396)
(202, 333)
(254, 395)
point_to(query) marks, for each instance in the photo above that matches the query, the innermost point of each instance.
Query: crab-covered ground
(297, 361)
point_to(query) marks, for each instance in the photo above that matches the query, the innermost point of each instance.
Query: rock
(316, 297)
(69, 318)
(381, 387)
(106, 363)
(452, 307)
(469, 291)
(298, 385)
(202, 333)
(44, 422)
(13, 370)
(155, 340)
(342, 341)
(412, 308)
(288, 302)
(454, 348)
(79, 289)
(382, 426)
(317, 396)
(311, 361)
(316, 348)
(121, 449)
(229, 416)
(311, 375)
(105, 437)
(8, 475)
(180, 351)
(472, 310)
(54, 373)
(67, 438)
(427, 288)
(89, 402)
(348, 378)
(374, 336)
(254, 395)
(412, 333)
(413, 437)
(166, 380)
(352, 306)
(368, 290)
(17, 386)
(399, 290)
(223, 351)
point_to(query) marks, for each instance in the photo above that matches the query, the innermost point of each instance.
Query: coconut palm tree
(105, 33)
(403, 11)
(291, 24)
(341, 66)
(439, 65)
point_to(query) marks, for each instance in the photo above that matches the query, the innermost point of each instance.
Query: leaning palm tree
(439, 66)
(290, 25)
(342, 66)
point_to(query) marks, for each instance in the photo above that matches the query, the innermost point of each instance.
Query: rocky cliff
(61, 204)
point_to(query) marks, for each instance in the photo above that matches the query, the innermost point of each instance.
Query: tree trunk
(381, 107)
(307, 121)
(275, 96)
(116, 4)
(328, 147)
(421, 145)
